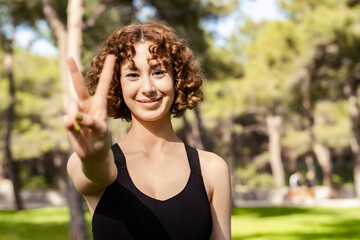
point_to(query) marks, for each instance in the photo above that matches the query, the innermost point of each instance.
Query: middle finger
(78, 80)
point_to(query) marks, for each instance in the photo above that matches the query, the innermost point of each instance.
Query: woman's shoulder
(212, 164)
(211, 159)
(215, 172)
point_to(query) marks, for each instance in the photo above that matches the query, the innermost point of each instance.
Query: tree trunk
(357, 174)
(75, 13)
(199, 130)
(350, 91)
(193, 131)
(196, 131)
(2, 174)
(232, 164)
(10, 117)
(323, 156)
(69, 43)
(277, 168)
(322, 152)
(188, 138)
(78, 229)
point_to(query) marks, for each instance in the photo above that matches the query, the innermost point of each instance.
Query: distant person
(295, 180)
(310, 177)
(148, 185)
(295, 185)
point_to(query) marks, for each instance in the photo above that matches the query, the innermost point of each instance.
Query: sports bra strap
(118, 156)
(193, 158)
(192, 155)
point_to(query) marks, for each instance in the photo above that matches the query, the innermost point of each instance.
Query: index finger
(106, 76)
(78, 80)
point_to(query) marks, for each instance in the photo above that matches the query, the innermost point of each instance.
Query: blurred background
(281, 99)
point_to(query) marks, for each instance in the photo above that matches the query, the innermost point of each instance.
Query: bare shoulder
(216, 177)
(215, 172)
(212, 163)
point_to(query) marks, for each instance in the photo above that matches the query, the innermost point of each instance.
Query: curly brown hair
(166, 47)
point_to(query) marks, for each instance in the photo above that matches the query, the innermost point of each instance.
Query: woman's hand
(86, 120)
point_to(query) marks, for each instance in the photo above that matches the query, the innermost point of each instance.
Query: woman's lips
(150, 103)
(150, 100)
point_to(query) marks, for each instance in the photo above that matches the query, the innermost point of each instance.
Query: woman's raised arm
(91, 166)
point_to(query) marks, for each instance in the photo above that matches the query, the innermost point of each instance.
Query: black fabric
(193, 158)
(124, 212)
(119, 156)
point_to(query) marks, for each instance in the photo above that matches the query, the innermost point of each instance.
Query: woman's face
(148, 87)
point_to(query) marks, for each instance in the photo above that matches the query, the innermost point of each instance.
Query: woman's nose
(148, 86)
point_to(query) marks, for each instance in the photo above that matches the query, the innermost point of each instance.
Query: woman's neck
(147, 135)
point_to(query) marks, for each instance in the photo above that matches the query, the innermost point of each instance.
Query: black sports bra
(124, 212)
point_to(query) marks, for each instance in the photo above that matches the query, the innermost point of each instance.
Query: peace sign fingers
(106, 77)
(78, 80)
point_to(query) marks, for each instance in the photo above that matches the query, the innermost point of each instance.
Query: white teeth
(150, 101)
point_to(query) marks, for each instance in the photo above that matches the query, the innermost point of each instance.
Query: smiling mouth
(151, 100)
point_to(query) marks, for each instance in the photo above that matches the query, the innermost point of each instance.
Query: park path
(342, 203)
(52, 198)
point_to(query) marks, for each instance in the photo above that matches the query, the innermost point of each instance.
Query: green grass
(296, 223)
(37, 224)
(247, 224)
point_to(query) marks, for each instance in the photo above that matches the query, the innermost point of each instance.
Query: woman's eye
(159, 73)
(131, 75)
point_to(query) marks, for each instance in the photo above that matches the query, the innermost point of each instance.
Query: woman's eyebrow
(133, 68)
(156, 66)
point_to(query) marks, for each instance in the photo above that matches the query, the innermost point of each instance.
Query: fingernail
(79, 117)
(77, 127)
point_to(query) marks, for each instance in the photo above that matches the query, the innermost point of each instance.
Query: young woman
(149, 185)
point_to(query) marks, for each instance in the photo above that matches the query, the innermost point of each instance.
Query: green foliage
(118, 15)
(250, 177)
(296, 142)
(36, 182)
(332, 124)
(271, 60)
(222, 63)
(30, 181)
(277, 53)
(21, 11)
(38, 127)
(223, 99)
(4, 99)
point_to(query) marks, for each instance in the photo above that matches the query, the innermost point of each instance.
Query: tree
(69, 40)
(68, 31)
(331, 27)
(8, 64)
(13, 14)
(266, 81)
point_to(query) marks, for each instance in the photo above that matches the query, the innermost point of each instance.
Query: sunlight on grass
(247, 224)
(296, 223)
(37, 224)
